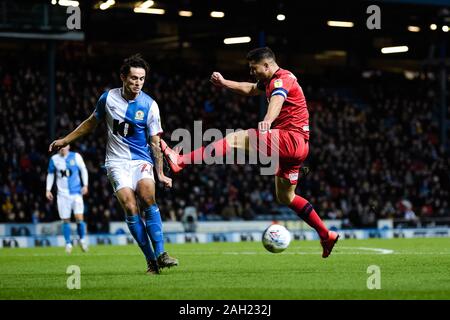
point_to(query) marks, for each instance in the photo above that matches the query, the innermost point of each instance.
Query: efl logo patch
(139, 115)
(278, 83)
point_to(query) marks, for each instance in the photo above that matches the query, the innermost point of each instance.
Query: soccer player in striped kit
(67, 167)
(132, 152)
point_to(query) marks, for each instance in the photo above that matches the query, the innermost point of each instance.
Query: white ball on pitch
(276, 238)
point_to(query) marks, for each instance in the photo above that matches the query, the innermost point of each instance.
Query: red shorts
(292, 149)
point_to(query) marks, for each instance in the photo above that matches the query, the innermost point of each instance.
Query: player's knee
(149, 201)
(130, 207)
(237, 139)
(231, 139)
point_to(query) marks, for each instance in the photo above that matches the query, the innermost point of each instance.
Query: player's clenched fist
(56, 145)
(217, 79)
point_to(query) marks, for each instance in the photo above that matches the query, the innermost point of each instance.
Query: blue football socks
(81, 229)
(66, 231)
(137, 229)
(154, 228)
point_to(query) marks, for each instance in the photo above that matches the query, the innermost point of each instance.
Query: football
(276, 238)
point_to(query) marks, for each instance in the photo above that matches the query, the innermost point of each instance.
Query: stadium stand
(374, 149)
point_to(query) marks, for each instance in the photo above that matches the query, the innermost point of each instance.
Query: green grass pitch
(409, 269)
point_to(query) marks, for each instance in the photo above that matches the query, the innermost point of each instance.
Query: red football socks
(306, 212)
(221, 148)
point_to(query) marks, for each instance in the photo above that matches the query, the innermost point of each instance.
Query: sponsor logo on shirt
(278, 83)
(139, 115)
(293, 176)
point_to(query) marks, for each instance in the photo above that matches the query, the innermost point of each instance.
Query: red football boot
(172, 157)
(328, 244)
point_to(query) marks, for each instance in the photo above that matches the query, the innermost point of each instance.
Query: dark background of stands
(379, 123)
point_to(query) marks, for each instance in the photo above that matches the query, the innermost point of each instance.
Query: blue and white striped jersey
(129, 124)
(67, 170)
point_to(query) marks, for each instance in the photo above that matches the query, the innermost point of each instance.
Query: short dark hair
(135, 61)
(259, 54)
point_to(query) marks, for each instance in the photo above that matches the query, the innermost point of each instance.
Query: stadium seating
(372, 147)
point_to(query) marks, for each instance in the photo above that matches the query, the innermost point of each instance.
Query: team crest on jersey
(278, 83)
(139, 115)
(72, 162)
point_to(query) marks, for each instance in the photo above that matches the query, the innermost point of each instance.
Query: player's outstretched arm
(273, 110)
(243, 88)
(84, 128)
(155, 144)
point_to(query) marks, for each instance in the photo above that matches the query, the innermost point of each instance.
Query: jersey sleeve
(100, 106)
(51, 166)
(50, 175)
(282, 85)
(154, 120)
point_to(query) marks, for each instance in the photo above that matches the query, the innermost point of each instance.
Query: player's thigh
(265, 143)
(77, 204)
(141, 170)
(64, 204)
(120, 175)
(238, 140)
(127, 200)
(146, 191)
(284, 190)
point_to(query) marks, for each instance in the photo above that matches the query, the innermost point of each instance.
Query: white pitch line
(376, 250)
(346, 251)
(379, 250)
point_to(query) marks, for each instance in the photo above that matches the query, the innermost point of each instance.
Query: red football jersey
(294, 114)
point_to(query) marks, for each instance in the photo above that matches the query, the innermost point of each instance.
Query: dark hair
(135, 61)
(259, 54)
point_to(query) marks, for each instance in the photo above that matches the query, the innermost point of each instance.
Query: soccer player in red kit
(284, 131)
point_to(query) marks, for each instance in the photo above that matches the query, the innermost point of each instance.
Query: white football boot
(84, 245)
(68, 248)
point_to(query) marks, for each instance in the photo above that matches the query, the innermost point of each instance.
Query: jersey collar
(273, 76)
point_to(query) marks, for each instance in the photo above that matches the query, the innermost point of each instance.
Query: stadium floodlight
(445, 28)
(217, 14)
(146, 4)
(185, 13)
(149, 10)
(107, 4)
(68, 3)
(396, 49)
(413, 28)
(433, 26)
(237, 40)
(281, 17)
(341, 24)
